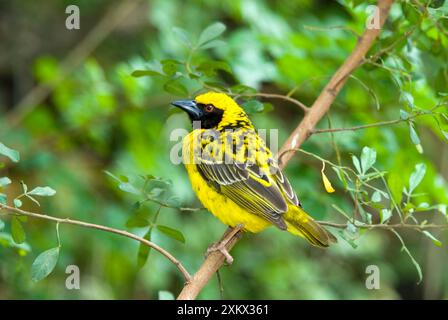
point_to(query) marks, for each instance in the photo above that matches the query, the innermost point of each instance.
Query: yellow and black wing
(259, 188)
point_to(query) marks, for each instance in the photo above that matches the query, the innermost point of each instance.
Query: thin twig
(419, 227)
(127, 234)
(327, 29)
(166, 205)
(404, 37)
(277, 96)
(378, 124)
(364, 126)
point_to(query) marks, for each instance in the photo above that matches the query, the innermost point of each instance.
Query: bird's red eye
(209, 108)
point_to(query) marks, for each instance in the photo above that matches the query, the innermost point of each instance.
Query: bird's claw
(221, 245)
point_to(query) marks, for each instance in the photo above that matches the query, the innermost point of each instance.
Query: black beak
(190, 107)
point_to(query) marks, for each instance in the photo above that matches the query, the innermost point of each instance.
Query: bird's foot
(221, 245)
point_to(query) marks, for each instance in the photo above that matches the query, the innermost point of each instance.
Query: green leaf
(423, 206)
(2, 225)
(341, 175)
(165, 295)
(395, 183)
(22, 218)
(216, 85)
(211, 32)
(368, 158)
(174, 86)
(10, 153)
(144, 250)
(148, 176)
(4, 181)
(442, 208)
(172, 233)
(356, 164)
(404, 115)
(416, 176)
(144, 73)
(351, 228)
(3, 198)
(173, 201)
(405, 249)
(267, 107)
(413, 134)
(17, 231)
(434, 240)
(44, 264)
(156, 193)
(6, 240)
(129, 188)
(213, 44)
(169, 66)
(42, 192)
(136, 205)
(209, 67)
(351, 242)
(241, 88)
(253, 106)
(157, 186)
(419, 148)
(376, 197)
(182, 35)
(407, 98)
(385, 215)
(350, 234)
(445, 134)
(136, 221)
(17, 203)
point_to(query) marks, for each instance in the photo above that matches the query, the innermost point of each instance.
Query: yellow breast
(220, 206)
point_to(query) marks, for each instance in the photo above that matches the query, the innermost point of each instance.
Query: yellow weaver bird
(235, 175)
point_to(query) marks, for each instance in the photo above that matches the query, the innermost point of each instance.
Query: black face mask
(206, 114)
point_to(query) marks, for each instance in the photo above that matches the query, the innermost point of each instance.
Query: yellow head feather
(233, 115)
(219, 100)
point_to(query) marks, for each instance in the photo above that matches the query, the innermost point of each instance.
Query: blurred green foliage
(102, 141)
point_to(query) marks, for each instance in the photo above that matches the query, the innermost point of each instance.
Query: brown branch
(323, 102)
(150, 244)
(320, 107)
(301, 105)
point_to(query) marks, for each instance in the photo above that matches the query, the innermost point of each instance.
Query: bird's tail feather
(301, 224)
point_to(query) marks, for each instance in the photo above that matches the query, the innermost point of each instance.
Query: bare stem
(301, 105)
(419, 227)
(376, 124)
(127, 234)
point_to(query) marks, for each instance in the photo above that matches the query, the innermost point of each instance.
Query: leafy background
(102, 140)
